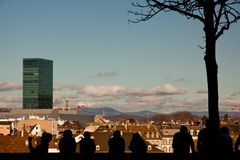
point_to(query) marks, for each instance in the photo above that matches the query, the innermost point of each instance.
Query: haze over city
(100, 59)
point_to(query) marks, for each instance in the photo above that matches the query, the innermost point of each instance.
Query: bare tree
(216, 16)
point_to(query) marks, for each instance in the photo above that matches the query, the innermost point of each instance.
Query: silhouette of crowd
(182, 142)
(183, 145)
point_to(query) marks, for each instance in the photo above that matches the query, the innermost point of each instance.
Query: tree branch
(230, 14)
(219, 17)
(176, 8)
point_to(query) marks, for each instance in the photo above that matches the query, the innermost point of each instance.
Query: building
(5, 128)
(167, 139)
(36, 126)
(103, 132)
(37, 83)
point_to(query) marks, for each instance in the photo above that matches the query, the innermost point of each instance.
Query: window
(164, 149)
(98, 147)
(164, 141)
(152, 135)
(147, 135)
(149, 147)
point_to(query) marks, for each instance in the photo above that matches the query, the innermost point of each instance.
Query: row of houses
(157, 138)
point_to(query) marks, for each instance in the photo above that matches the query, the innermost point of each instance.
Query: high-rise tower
(37, 83)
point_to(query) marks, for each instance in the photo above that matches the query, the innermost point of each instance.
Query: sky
(100, 59)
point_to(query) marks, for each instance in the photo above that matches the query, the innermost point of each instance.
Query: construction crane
(67, 100)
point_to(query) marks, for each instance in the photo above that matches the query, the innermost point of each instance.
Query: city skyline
(102, 60)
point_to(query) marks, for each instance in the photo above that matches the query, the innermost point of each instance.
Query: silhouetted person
(116, 146)
(67, 145)
(203, 142)
(138, 147)
(226, 144)
(237, 144)
(87, 146)
(182, 142)
(41, 150)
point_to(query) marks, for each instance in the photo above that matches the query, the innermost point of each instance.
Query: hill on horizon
(108, 111)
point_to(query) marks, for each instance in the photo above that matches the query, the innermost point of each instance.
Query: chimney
(22, 133)
(126, 125)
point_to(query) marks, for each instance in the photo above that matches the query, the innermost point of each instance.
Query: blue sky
(102, 60)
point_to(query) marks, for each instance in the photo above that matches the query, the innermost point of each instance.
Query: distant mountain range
(108, 111)
(144, 113)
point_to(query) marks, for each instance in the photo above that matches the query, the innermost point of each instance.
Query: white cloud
(117, 90)
(10, 102)
(148, 100)
(235, 94)
(167, 89)
(231, 102)
(59, 87)
(203, 90)
(113, 90)
(6, 86)
(159, 98)
(124, 98)
(193, 101)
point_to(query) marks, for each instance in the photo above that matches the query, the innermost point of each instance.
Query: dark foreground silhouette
(116, 146)
(67, 145)
(182, 142)
(42, 147)
(226, 144)
(40, 151)
(138, 147)
(87, 147)
(237, 145)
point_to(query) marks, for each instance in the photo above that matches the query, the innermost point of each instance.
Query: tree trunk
(212, 81)
(212, 78)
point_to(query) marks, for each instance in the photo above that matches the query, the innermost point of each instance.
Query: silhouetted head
(116, 133)
(136, 135)
(46, 137)
(224, 130)
(183, 129)
(207, 123)
(67, 133)
(87, 135)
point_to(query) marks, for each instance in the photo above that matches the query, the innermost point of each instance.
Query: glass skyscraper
(37, 83)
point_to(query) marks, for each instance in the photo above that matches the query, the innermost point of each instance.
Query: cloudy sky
(102, 60)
